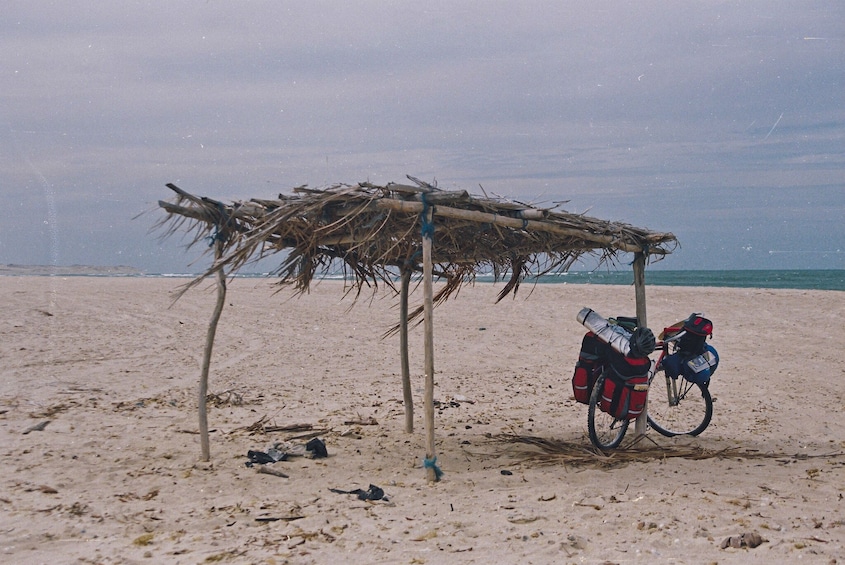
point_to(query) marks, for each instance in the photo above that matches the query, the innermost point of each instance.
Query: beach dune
(100, 451)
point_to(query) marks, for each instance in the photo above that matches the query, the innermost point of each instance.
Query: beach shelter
(385, 235)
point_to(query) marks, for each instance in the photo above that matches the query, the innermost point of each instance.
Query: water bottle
(614, 335)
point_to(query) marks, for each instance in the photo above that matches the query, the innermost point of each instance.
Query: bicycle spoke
(688, 410)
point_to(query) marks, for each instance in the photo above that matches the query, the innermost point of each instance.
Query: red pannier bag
(590, 359)
(625, 386)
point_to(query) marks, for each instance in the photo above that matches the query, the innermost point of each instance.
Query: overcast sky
(722, 122)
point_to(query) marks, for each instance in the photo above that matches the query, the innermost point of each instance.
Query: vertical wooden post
(403, 346)
(642, 321)
(206, 359)
(428, 307)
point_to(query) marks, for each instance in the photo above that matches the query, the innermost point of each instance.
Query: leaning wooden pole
(432, 471)
(642, 321)
(206, 359)
(403, 347)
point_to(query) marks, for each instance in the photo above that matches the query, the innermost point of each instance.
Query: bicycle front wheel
(606, 432)
(679, 408)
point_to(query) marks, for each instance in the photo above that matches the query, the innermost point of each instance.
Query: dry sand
(114, 476)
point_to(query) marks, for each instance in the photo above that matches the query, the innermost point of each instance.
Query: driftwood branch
(267, 470)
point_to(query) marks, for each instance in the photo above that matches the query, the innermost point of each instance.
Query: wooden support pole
(408, 398)
(642, 321)
(428, 308)
(206, 358)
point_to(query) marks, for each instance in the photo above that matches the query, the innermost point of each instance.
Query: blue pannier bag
(699, 368)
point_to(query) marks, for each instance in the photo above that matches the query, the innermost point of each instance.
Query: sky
(721, 122)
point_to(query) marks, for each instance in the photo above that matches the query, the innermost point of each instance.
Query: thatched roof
(375, 231)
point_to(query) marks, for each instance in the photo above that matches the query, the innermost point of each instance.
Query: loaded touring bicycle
(618, 380)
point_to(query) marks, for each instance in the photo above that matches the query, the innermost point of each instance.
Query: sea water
(830, 279)
(797, 279)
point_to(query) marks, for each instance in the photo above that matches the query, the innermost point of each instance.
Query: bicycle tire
(689, 415)
(606, 432)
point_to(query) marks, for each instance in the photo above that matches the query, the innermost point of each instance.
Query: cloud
(643, 111)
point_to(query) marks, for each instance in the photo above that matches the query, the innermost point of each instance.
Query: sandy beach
(100, 451)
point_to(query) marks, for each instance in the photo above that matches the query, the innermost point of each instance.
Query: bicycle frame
(671, 384)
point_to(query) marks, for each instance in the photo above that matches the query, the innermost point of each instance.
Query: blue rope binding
(221, 231)
(427, 229)
(646, 248)
(432, 464)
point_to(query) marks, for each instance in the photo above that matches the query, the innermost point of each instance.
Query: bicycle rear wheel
(683, 408)
(606, 432)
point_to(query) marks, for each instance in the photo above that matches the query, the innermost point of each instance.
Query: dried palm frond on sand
(546, 451)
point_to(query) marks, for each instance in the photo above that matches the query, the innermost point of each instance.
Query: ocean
(797, 279)
(830, 279)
